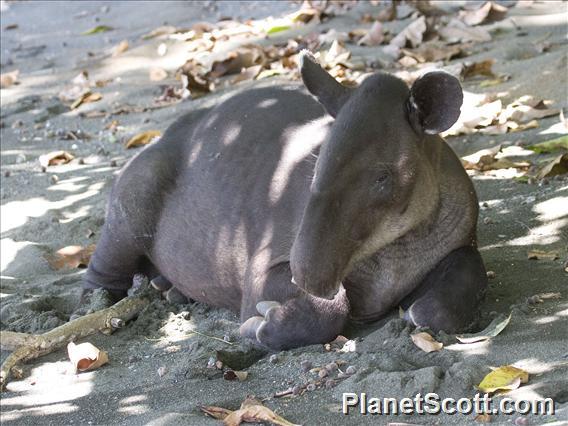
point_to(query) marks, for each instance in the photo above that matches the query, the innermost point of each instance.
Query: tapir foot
(449, 297)
(301, 321)
(170, 293)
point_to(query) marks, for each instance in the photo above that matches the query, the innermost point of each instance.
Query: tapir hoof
(160, 283)
(173, 295)
(263, 330)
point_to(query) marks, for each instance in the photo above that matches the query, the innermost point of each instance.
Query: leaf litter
(251, 411)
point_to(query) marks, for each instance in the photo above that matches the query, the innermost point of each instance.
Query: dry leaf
(157, 74)
(9, 78)
(433, 52)
(55, 158)
(488, 12)
(485, 160)
(556, 166)
(70, 257)
(483, 418)
(86, 356)
(493, 329)
(160, 31)
(215, 412)
(478, 68)
(426, 342)
(503, 378)
(252, 411)
(412, 34)
(243, 57)
(241, 376)
(120, 48)
(543, 255)
(374, 37)
(306, 14)
(249, 73)
(86, 98)
(143, 138)
(457, 31)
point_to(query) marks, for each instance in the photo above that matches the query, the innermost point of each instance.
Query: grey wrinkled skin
(358, 202)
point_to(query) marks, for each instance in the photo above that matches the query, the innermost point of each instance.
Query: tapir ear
(435, 101)
(327, 90)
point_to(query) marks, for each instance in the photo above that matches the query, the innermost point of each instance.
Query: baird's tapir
(301, 210)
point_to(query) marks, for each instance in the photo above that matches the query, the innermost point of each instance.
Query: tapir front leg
(290, 317)
(449, 297)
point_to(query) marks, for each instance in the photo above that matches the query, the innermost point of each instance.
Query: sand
(44, 211)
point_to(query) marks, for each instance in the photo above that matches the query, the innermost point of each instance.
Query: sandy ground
(44, 211)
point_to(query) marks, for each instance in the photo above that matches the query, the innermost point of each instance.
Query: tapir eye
(381, 178)
(382, 184)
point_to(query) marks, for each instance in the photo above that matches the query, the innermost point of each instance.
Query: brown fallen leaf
(251, 411)
(542, 255)
(86, 98)
(157, 74)
(306, 14)
(374, 37)
(249, 73)
(489, 162)
(86, 356)
(55, 158)
(426, 342)
(412, 34)
(556, 166)
(433, 51)
(457, 31)
(483, 418)
(243, 57)
(9, 78)
(70, 257)
(488, 12)
(120, 48)
(143, 138)
(478, 68)
(230, 375)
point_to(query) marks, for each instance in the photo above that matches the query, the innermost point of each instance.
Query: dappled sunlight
(131, 405)
(555, 208)
(39, 411)
(553, 213)
(17, 213)
(303, 141)
(547, 319)
(44, 379)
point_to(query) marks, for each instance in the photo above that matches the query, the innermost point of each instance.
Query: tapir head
(373, 182)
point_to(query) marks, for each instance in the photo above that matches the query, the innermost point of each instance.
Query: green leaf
(98, 29)
(553, 145)
(492, 330)
(277, 29)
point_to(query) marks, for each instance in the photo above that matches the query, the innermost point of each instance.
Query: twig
(30, 346)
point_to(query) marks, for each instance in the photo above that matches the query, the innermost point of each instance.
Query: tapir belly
(241, 188)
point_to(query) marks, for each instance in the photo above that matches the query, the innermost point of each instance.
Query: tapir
(303, 207)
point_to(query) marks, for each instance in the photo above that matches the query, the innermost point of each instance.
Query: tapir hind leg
(449, 297)
(289, 317)
(115, 261)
